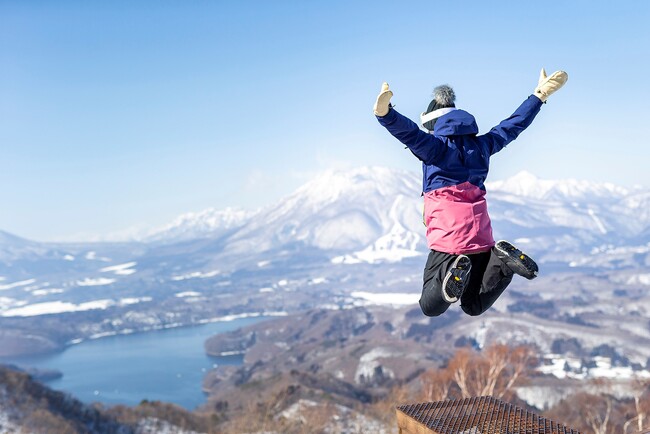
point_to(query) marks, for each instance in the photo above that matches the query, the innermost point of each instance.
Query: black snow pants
(488, 279)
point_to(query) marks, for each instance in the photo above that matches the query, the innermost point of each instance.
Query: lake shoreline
(126, 332)
(165, 364)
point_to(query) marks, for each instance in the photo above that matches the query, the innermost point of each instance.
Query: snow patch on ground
(133, 300)
(231, 353)
(95, 282)
(388, 298)
(294, 412)
(343, 419)
(52, 307)
(568, 367)
(121, 269)
(480, 334)
(92, 256)
(396, 245)
(374, 254)
(542, 397)
(152, 425)
(17, 284)
(611, 250)
(368, 364)
(6, 426)
(643, 279)
(47, 291)
(242, 315)
(6, 303)
(196, 275)
(187, 294)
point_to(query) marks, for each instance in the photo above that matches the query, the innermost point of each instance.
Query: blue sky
(119, 114)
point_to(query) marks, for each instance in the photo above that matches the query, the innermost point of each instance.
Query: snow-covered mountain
(525, 184)
(568, 220)
(374, 214)
(372, 209)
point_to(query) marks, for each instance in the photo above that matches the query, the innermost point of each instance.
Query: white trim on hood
(426, 117)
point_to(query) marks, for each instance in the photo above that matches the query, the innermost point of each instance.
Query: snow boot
(456, 279)
(516, 260)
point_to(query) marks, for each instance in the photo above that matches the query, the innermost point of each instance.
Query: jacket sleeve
(510, 128)
(426, 147)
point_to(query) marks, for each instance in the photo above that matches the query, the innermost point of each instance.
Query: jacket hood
(456, 123)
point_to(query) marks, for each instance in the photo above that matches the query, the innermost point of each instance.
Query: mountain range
(374, 209)
(343, 232)
(373, 213)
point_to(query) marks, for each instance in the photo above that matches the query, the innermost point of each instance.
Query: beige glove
(381, 106)
(549, 85)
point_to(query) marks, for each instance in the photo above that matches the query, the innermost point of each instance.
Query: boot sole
(457, 282)
(516, 260)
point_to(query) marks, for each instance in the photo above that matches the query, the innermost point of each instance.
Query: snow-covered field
(566, 367)
(54, 307)
(196, 275)
(379, 298)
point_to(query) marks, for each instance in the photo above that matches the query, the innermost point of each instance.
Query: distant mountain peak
(329, 185)
(209, 222)
(210, 218)
(528, 185)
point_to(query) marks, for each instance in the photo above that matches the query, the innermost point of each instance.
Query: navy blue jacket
(454, 153)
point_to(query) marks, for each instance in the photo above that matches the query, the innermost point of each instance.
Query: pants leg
(492, 278)
(431, 302)
(470, 300)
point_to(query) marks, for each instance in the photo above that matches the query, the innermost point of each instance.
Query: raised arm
(426, 147)
(510, 128)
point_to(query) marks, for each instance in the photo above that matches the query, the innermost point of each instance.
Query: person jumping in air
(464, 263)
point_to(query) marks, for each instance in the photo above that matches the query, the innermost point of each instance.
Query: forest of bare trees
(498, 371)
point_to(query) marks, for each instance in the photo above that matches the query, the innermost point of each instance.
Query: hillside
(360, 354)
(28, 407)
